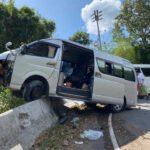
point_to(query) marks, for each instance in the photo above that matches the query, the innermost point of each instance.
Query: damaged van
(67, 70)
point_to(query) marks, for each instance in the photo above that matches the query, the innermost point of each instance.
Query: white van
(65, 69)
(145, 69)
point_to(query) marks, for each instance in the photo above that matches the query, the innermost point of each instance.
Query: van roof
(142, 65)
(98, 53)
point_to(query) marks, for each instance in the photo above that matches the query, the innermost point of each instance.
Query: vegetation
(22, 25)
(7, 100)
(132, 31)
(81, 37)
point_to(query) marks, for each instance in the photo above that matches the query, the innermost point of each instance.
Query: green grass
(7, 100)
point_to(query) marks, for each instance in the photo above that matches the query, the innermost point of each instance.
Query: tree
(23, 25)
(81, 37)
(135, 18)
(126, 50)
(133, 27)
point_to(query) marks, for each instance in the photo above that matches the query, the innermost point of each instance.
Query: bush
(7, 100)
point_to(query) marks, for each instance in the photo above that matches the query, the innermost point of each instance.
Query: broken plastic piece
(78, 142)
(91, 134)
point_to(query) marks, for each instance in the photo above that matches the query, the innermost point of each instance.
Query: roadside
(132, 127)
(66, 136)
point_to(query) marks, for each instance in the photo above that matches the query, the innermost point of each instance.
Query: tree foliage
(81, 37)
(135, 17)
(22, 25)
(133, 25)
(126, 50)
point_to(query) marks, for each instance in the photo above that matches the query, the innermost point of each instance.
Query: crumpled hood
(8, 55)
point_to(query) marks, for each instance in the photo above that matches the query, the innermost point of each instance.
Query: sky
(71, 16)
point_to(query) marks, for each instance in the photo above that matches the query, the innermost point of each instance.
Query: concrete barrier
(19, 127)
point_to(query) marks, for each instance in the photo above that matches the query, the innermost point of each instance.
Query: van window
(129, 74)
(42, 50)
(108, 68)
(101, 65)
(104, 67)
(51, 51)
(146, 71)
(117, 71)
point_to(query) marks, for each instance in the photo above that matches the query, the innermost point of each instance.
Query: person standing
(142, 90)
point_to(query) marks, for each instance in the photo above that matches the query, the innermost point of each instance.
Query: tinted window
(101, 65)
(146, 71)
(108, 68)
(117, 71)
(104, 67)
(129, 74)
(42, 50)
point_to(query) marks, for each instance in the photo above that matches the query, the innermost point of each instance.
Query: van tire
(118, 108)
(33, 90)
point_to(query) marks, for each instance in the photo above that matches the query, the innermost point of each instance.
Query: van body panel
(131, 93)
(102, 88)
(107, 89)
(28, 65)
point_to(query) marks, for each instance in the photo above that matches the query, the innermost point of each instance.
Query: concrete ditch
(19, 127)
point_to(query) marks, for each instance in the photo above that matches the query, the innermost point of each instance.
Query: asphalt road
(132, 127)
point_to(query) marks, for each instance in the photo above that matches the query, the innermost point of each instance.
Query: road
(132, 127)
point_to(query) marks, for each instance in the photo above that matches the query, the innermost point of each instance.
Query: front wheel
(33, 90)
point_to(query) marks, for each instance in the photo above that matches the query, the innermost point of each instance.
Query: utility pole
(97, 16)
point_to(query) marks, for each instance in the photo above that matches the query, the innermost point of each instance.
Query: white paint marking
(111, 132)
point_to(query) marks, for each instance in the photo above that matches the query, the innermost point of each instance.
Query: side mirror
(8, 44)
(7, 47)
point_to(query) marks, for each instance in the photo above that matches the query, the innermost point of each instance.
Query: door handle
(97, 74)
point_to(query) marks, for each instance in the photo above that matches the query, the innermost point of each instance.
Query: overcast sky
(71, 16)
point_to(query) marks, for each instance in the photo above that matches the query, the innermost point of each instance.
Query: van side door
(107, 89)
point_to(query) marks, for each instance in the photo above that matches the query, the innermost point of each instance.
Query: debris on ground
(75, 122)
(63, 120)
(66, 137)
(91, 134)
(78, 142)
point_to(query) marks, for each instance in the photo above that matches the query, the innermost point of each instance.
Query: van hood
(8, 55)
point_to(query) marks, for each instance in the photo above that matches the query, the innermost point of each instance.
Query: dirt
(63, 137)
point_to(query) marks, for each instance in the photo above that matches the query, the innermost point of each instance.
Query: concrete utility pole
(97, 16)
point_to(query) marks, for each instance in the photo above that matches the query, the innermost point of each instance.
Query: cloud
(110, 9)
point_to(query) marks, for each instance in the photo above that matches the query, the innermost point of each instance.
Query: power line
(96, 17)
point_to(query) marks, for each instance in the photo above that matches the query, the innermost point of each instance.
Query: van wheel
(116, 108)
(33, 90)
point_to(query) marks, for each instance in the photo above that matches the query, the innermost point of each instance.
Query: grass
(7, 100)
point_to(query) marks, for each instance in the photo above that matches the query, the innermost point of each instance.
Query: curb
(21, 125)
(111, 132)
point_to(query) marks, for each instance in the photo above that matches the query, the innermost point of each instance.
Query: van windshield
(146, 71)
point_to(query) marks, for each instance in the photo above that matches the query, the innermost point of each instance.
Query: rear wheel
(116, 108)
(33, 90)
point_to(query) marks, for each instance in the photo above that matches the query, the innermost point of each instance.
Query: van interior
(76, 72)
